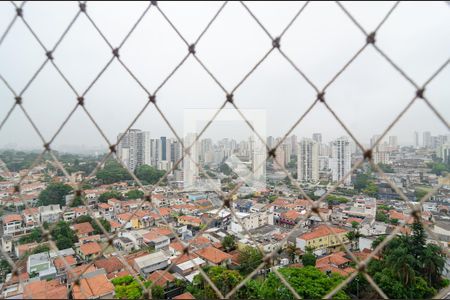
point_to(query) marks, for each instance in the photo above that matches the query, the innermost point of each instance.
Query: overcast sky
(368, 95)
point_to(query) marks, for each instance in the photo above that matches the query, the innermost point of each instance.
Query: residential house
(214, 256)
(161, 278)
(31, 218)
(290, 218)
(40, 265)
(159, 242)
(190, 221)
(250, 220)
(89, 251)
(43, 289)
(50, 213)
(93, 287)
(322, 239)
(7, 243)
(124, 244)
(112, 265)
(335, 263)
(185, 264)
(60, 263)
(151, 262)
(116, 204)
(105, 210)
(12, 224)
(134, 236)
(83, 229)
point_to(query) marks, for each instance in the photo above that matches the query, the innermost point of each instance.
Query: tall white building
(294, 143)
(416, 139)
(317, 137)
(134, 149)
(190, 162)
(340, 159)
(373, 140)
(426, 140)
(308, 160)
(393, 141)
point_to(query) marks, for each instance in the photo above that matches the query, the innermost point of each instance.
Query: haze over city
(325, 174)
(368, 95)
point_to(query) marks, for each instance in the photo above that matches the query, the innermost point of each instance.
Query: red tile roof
(60, 264)
(184, 296)
(90, 248)
(291, 215)
(93, 287)
(334, 259)
(105, 205)
(321, 231)
(166, 277)
(83, 228)
(52, 289)
(111, 264)
(213, 255)
(11, 218)
(83, 269)
(190, 219)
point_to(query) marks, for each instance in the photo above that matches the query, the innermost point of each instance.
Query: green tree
(229, 243)
(148, 174)
(54, 193)
(77, 201)
(113, 172)
(439, 168)
(225, 280)
(103, 198)
(249, 258)
(5, 268)
(420, 193)
(408, 267)
(386, 168)
(135, 194)
(83, 219)
(63, 235)
(106, 225)
(34, 236)
(225, 169)
(381, 217)
(127, 287)
(309, 259)
(308, 282)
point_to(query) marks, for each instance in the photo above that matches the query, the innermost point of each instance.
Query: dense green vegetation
(5, 268)
(103, 198)
(112, 172)
(250, 258)
(134, 194)
(363, 183)
(148, 174)
(127, 287)
(420, 193)
(408, 268)
(308, 282)
(309, 259)
(54, 193)
(63, 236)
(439, 168)
(34, 236)
(333, 199)
(229, 243)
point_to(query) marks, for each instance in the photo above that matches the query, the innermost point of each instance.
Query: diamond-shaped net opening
(107, 246)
